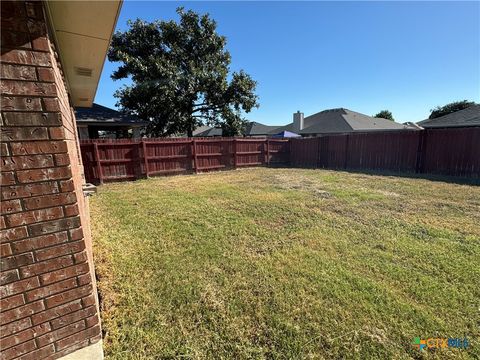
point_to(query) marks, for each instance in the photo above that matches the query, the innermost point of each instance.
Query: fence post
(99, 164)
(195, 159)
(268, 152)
(145, 158)
(235, 157)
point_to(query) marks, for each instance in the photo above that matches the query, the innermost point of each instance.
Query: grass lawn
(287, 264)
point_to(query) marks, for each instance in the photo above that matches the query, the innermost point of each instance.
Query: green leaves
(450, 108)
(179, 74)
(385, 114)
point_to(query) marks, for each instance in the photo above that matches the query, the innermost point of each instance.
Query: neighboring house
(338, 121)
(257, 129)
(99, 121)
(469, 117)
(252, 129)
(51, 59)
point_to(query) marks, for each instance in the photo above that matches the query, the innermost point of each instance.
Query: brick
(31, 119)
(56, 312)
(11, 302)
(21, 133)
(17, 72)
(65, 273)
(67, 296)
(95, 338)
(13, 234)
(51, 104)
(41, 147)
(21, 312)
(16, 40)
(26, 57)
(36, 175)
(9, 276)
(5, 249)
(88, 301)
(24, 335)
(71, 345)
(74, 317)
(29, 190)
(52, 289)
(11, 206)
(15, 327)
(92, 321)
(62, 159)
(7, 263)
(71, 210)
(11, 103)
(39, 242)
(27, 162)
(60, 333)
(67, 185)
(76, 234)
(41, 43)
(41, 353)
(54, 226)
(34, 216)
(2, 222)
(7, 178)
(84, 279)
(18, 350)
(19, 287)
(80, 257)
(59, 250)
(56, 133)
(46, 266)
(45, 74)
(26, 88)
(83, 335)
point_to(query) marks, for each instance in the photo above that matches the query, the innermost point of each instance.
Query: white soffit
(82, 32)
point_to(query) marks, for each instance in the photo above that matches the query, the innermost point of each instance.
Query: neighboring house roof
(103, 116)
(462, 118)
(206, 131)
(342, 121)
(256, 129)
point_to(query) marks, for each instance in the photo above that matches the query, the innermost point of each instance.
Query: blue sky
(407, 57)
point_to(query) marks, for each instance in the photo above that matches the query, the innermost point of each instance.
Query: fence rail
(116, 160)
(453, 152)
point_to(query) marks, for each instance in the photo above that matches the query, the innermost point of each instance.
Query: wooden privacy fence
(452, 151)
(125, 159)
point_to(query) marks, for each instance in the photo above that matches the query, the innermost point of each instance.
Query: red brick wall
(48, 296)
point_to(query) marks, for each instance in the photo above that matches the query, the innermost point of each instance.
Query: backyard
(287, 263)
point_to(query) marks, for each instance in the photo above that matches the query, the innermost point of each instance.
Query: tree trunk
(190, 132)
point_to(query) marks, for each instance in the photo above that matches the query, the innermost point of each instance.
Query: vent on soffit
(81, 71)
(83, 99)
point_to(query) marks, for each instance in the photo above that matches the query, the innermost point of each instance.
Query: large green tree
(450, 108)
(385, 114)
(180, 76)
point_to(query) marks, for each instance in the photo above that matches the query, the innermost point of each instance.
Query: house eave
(82, 39)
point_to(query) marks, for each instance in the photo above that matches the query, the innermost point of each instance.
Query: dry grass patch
(286, 263)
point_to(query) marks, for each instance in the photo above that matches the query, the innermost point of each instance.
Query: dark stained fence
(453, 152)
(125, 159)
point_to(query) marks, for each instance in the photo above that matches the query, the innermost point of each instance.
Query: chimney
(297, 121)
